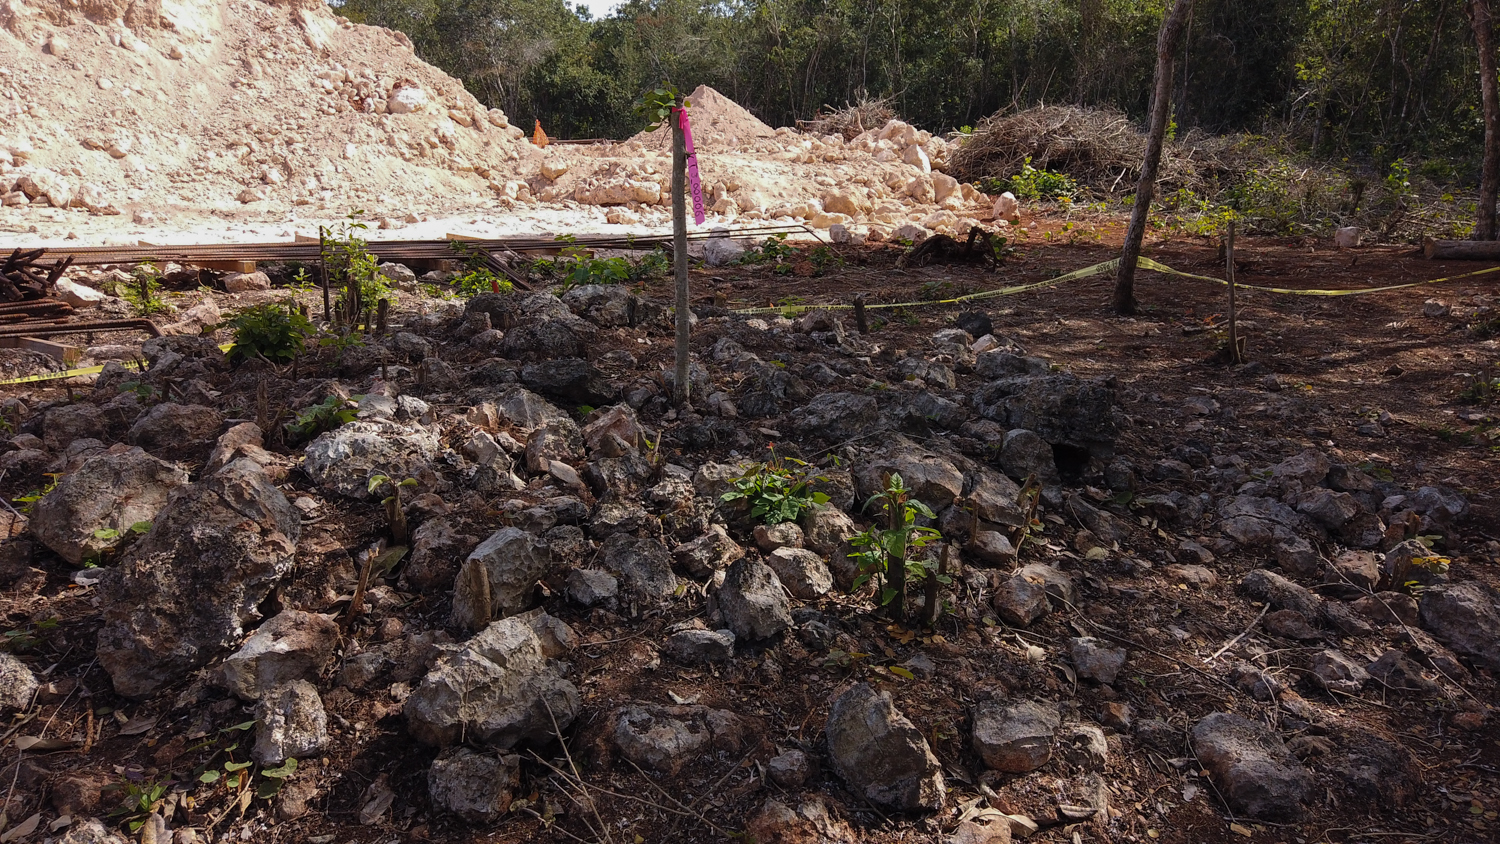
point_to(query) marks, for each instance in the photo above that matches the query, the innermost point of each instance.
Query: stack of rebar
(24, 277)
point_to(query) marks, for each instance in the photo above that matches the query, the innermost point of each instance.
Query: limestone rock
(17, 684)
(802, 572)
(183, 593)
(496, 690)
(695, 647)
(1095, 661)
(292, 645)
(664, 738)
(174, 427)
(1015, 738)
(708, 553)
(344, 459)
(1465, 617)
(291, 723)
(881, 754)
(478, 787)
(753, 601)
(110, 492)
(1019, 602)
(499, 577)
(1251, 767)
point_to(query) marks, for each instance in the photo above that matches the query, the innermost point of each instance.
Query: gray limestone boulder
(183, 594)
(752, 600)
(1251, 767)
(109, 493)
(498, 689)
(881, 754)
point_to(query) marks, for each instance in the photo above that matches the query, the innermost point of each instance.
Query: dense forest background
(1370, 79)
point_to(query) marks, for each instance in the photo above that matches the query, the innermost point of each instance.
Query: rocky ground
(1256, 602)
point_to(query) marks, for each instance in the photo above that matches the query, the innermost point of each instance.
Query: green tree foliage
(1379, 77)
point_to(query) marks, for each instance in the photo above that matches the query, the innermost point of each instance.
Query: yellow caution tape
(1086, 272)
(1109, 267)
(1148, 264)
(87, 370)
(66, 373)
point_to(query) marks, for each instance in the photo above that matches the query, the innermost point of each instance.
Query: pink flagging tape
(695, 184)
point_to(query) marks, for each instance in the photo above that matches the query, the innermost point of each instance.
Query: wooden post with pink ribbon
(662, 105)
(684, 164)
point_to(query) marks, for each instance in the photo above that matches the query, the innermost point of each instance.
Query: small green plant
(352, 267)
(1481, 389)
(302, 280)
(26, 638)
(574, 266)
(773, 251)
(141, 799)
(341, 342)
(393, 512)
(145, 392)
(1033, 184)
(777, 490)
(143, 291)
(885, 554)
(824, 259)
(329, 414)
(272, 332)
(655, 106)
(30, 499)
(473, 282)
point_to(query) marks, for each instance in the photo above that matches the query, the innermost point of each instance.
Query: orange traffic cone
(539, 137)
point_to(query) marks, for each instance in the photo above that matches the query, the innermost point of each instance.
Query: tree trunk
(680, 255)
(1167, 45)
(1489, 180)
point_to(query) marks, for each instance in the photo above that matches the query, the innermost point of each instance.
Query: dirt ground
(1322, 373)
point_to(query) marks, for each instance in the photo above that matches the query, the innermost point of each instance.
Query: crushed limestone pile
(204, 105)
(200, 108)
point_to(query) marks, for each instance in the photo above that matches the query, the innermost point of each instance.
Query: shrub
(325, 416)
(885, 555)
(143, 292)
(1033, 184)
(777, 490)
(270, 331)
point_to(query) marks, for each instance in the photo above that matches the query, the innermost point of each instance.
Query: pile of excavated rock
(284, 110)
(206, 530)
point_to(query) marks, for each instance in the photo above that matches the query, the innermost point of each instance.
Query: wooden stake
(323, 271)
(680, 256)
(859, 315)
(382, 314)
(1236, 348)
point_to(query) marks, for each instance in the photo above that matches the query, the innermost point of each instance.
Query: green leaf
(141, 527)
(241, 727)
(286, 769)
(268, 788)
(902, 672)
(209, 777)
(231, 767)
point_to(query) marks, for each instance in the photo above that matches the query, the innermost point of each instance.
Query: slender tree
(1167, 45)
(1489, 178)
